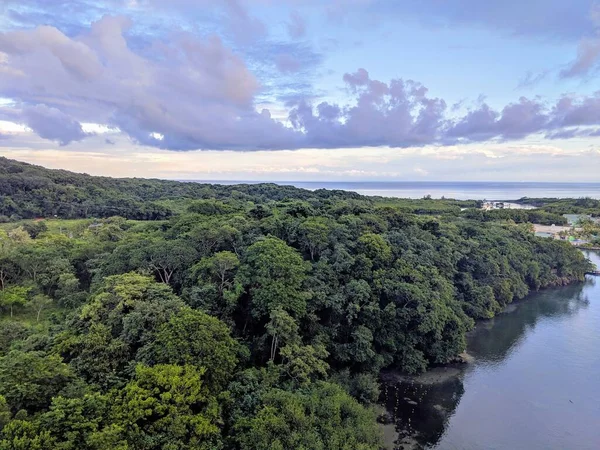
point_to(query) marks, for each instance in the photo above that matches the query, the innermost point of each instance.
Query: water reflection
(494, 340)
(422, 408)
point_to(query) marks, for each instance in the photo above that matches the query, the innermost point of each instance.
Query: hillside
(28, 191)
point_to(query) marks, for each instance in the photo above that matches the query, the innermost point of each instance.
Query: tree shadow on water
(420, 411)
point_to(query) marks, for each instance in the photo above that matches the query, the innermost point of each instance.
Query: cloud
(52, 124)
(242, 25)
(555, 19)
(586, 61)
(401, 114)
(196, 93)
(296, 26)
(516, 121)
(287, 63)
(188, 93)
(588, 50)
(531, 79)
(572, 111)
(397, 114)
(529, 117)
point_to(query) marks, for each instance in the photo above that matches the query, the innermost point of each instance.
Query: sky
(298, 90)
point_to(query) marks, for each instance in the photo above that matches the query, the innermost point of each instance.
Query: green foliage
(29, 380)
(195, 338)
(255, 317)
(38, 303)
(517, 216)
(167, 407)
(10, 332)
(321, 417)
(304, 363)
(13, 297)
(274, 274)
(120, 319)
(5, 414)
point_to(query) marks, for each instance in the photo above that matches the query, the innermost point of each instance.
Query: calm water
(534, 384)
(456, 190)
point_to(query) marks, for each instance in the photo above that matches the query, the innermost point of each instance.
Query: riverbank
(513, 372)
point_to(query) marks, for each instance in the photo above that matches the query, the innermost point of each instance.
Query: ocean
(449, 189)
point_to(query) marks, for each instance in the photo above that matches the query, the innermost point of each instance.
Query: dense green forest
(165, 315)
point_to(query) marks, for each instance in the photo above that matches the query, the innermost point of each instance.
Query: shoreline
(402, 436)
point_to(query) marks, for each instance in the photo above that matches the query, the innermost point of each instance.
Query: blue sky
(303, 89)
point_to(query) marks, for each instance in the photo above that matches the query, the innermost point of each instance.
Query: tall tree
(274, 274)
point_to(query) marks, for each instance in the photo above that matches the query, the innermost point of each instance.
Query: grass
(54, 225)
(72, 227)
(28, 317)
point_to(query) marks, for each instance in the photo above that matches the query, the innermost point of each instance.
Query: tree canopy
(152, 314)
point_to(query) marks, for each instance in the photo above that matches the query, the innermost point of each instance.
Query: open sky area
(443, 90)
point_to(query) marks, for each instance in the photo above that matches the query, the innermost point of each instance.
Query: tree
(304, 363)
(283, 329)
(167, 407)
(375, 247)
(123, 316)
(11, 332)
(221, 268)
(81, 424)
(193, 337)
(13, 296)
(38, 303)
(8, 265)
(165, 257)
(314, 233)
(19, 235)
(35, 228)
(22, 434)
(274, 274)
(29, 380)
(5, 414)
(320, 416)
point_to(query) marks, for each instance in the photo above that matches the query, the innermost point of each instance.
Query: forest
(147, 314)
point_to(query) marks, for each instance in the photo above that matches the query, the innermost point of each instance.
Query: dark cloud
(52, 124)
(528, 117)
(571, 111)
